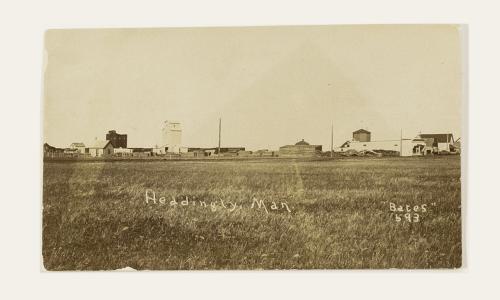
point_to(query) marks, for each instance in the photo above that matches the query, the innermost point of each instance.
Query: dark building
(230, 149)
(438, 138)
(48, 149)
(116, 139)
(361, 135)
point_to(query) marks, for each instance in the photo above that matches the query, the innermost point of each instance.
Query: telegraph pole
(331, 143)
(218, 148)
(401, 143)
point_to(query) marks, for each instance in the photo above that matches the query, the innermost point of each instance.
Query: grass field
(95, 214)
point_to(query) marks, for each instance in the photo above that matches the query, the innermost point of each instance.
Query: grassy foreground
(96, 217)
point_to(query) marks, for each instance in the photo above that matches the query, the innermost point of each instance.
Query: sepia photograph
(253, 148)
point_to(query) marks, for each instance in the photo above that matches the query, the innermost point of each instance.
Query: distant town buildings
(423, 144)
(116, 139)
(361, 144)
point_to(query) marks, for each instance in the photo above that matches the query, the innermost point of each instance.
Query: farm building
(224, 151)
(71, 152)
(123, 152)
(80, 147)
(165, 150)
(361, 135)
(300, 149)
(230, 149)
(439, 141)
(51, 151)
(407, 147)
(197, 153)
(159, 150)
(141, 152)
(116, 139)
(362, 142)
(100, 149)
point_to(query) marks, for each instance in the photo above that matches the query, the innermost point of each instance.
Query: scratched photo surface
(253, 148)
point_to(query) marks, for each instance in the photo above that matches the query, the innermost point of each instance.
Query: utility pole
(218, 148)
(331, 143)
(401, 143)
(447, 143)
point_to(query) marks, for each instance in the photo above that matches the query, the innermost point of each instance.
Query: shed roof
(77, 145)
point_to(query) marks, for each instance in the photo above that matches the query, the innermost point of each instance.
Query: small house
(80, 147)
(100, 149)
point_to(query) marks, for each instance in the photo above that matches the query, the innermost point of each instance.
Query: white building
(171, 137)
(100, 149)
(407, 147)
(123, 151)
(80, 147)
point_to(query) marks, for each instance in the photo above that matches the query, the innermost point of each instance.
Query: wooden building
(361, 135)
(80, 147)
(300, 149)
(100, 149)
(440, 141)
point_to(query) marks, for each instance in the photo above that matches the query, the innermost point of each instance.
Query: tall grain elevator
(171, 136)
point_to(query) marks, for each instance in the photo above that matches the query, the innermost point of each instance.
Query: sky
(271, 86)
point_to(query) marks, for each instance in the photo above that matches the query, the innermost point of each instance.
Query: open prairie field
(262, 214)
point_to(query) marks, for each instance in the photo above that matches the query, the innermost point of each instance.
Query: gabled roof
(100, 144)
(361, 131)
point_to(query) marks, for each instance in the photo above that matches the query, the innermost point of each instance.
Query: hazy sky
(270, 85)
